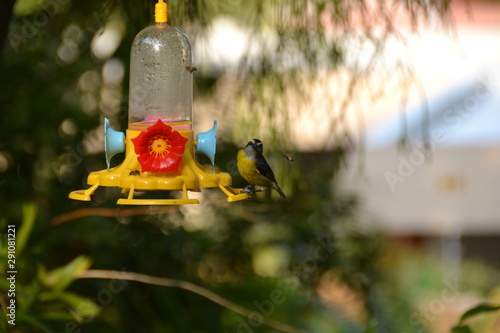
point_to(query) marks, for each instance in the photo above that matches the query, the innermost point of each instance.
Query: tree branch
(110, 212)
(165, 282)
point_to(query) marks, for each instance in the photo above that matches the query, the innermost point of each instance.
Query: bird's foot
(248, 190)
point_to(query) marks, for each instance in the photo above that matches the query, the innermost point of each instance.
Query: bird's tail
(280, 191)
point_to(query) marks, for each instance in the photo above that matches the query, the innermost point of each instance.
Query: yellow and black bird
(254, 169)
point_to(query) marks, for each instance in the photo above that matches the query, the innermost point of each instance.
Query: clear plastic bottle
(161, 82)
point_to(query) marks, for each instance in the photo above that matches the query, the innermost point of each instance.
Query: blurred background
(388, 110)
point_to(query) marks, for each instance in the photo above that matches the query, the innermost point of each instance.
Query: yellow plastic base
(131, 201)
(83, 195)
(190, 176)
(233, 194)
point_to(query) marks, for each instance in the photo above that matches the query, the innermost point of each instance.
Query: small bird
(254, 169)
(287, 157)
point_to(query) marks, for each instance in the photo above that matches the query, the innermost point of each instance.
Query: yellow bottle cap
(161, 12)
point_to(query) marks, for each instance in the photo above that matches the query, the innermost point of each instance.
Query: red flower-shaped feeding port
(159, 149)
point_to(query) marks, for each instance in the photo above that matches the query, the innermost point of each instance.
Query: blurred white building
(447, 178)
(445, 183)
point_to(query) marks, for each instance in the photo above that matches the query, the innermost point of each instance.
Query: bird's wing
(264, 169)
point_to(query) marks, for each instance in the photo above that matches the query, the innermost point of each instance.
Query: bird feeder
(159, 143)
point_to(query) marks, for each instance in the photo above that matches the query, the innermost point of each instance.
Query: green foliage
(461, 327)
(43, 296)
(29, 216)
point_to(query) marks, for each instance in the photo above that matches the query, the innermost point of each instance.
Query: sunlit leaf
(61, 277)
(81, 307)
(28, 7)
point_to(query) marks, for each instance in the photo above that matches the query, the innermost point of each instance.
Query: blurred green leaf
(35, 323)
(30, 294)
(483, 307)
(29, 216)
(372, 327)
(81, 307)
(61, 277)
(478, 309)
(28, 7)
(3, 324)
(461, 329)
